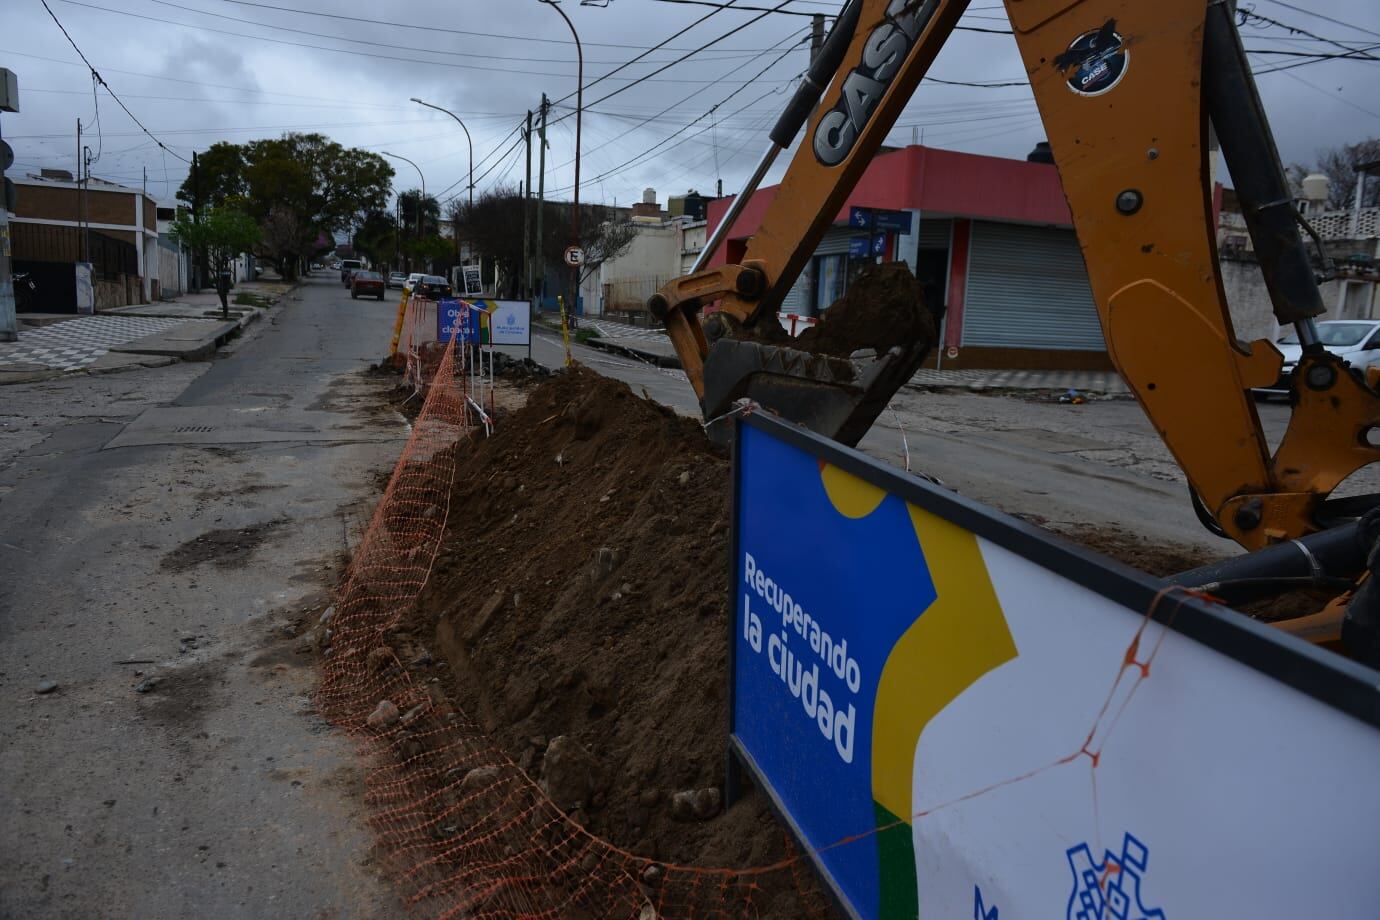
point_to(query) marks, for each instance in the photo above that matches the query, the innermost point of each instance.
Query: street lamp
(579, 109)
(467, 138)
(398, 156)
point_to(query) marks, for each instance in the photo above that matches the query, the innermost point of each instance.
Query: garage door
(1028, 288)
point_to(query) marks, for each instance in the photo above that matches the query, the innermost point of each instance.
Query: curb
(651, 357)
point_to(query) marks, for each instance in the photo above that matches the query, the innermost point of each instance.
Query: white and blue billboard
(961, 716)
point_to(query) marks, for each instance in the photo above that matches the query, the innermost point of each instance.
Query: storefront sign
(960, 716)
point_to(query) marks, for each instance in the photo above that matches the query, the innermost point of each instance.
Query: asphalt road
(1099, 466)
(161, 530)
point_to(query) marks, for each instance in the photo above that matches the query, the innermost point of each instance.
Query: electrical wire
(526, 71)
(99, 79)
(1308, 12)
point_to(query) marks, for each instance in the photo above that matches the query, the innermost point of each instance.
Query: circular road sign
(574, 255)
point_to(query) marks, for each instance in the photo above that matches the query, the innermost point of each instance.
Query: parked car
(367, 283)
(396, 279)
(432, 287)
(1357, 341)
(346, 267)
(411, 282)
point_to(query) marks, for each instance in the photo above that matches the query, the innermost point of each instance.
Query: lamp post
(579, 109)
(422, 202)
(467, 139)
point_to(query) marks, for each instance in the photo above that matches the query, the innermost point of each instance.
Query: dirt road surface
(160, 531)
(1074, 469)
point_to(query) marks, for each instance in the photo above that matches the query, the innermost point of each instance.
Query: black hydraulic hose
(1339, 552)
(1250, 153)
(822, 70)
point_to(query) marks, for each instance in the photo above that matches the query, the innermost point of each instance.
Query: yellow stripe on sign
(961, 637)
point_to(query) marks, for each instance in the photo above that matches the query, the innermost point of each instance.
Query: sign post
(960, 715)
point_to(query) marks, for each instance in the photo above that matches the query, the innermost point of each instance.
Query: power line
(526, 71)
(1339, 22)
(735, 30)
(436, 29)
(767, 9)
(707, 114)
(97, 77)
(373, 42)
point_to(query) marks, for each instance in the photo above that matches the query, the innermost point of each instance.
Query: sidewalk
(142, 335)
(652, 345)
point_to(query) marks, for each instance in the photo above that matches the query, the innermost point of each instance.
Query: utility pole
(539, 248)
(9, 322)
(202, 271)
(579, 111)
(527, 212)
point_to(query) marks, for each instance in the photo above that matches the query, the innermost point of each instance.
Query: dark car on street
(366, 283)
(432, 287)
(347, 268)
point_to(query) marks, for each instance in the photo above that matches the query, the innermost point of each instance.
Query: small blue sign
(879, 244)
(455, 320)
(860, 248)
(877, 219)
(857, 247)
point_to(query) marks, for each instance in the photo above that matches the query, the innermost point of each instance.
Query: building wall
(1253, 315)
(622, 285)
(61, 203)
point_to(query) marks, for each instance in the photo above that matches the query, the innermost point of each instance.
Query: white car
(411, 282)
(1356, 341)
(396, 279)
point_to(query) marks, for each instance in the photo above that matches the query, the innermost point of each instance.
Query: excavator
(1128, 91)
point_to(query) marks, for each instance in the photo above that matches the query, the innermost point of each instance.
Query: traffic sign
(857, 247)
(574, 255)
(877, 219)
(860, 247)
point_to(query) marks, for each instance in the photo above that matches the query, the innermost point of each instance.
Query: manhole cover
(193, 429)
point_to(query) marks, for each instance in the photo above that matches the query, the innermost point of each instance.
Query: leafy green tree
(377, 237)
(328, 186)
(411, 203)
(220, 235)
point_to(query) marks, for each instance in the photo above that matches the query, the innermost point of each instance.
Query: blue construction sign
(455, 319)
(878, 219)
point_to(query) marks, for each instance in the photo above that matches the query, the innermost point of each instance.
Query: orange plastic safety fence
(463, 830)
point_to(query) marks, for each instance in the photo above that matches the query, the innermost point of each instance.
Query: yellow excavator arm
(1126, 90)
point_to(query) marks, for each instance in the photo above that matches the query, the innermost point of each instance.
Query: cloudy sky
(198, 71)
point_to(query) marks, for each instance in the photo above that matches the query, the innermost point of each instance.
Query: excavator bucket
(837, 397)
(838, 376)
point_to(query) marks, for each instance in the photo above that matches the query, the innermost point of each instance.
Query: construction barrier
(462, 829)
(999, 723)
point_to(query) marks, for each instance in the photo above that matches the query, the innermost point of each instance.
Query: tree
(327, 187)
(410, 203)
(493, 227)
(221, 234)
(377, 237)
(287, 240)
(1339, 165)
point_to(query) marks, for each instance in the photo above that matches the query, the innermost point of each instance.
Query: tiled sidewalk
(79, 342)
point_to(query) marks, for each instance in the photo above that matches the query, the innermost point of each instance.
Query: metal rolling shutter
(1028, 288)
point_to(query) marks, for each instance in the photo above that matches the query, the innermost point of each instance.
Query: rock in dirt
(384, 715)
(568, 773)
(46, 686)
(696, 804)
(379, 657)
(147, 684)
(479, 778)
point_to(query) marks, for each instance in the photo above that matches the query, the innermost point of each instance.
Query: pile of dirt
(580, 599)
(884, 307)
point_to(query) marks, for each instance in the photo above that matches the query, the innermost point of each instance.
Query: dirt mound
(580, 598)
(884, 307)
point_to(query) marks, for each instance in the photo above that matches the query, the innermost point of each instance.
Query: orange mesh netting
(463, 830)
